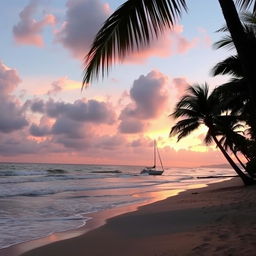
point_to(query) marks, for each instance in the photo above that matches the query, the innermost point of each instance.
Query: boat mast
(160, 159)
(154, 154)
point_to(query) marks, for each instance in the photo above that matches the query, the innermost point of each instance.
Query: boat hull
(152, 172)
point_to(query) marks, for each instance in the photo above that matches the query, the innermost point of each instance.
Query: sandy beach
(216, 220)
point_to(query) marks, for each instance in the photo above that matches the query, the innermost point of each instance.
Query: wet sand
(216, 220)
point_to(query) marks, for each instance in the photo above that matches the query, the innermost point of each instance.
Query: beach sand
(217, 220)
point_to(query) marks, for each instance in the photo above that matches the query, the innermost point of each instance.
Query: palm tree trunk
(245, 48)
(247, 180)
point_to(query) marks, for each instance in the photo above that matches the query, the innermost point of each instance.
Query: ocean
(39, 199)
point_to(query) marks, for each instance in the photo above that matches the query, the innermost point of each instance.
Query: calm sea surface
(39, 199)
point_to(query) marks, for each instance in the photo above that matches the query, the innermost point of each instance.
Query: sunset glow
(45, 117)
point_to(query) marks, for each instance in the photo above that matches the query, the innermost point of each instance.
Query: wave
(46, 177)
(22, 173)
(114, 171)
(61, 189)
(57, 171)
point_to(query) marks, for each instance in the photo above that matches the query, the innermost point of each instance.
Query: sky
(44, 115)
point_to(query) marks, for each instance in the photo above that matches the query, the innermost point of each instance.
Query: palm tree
(236, 93)
(231, 139)
(136, 22)
(199, 107)
(234, 99)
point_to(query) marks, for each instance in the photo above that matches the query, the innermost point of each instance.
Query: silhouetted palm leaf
(184, 127)
(226, 42)
(230, 66)
(245, 4)
(131, 26)
(195, 108)
(249, 19)
(208, 138)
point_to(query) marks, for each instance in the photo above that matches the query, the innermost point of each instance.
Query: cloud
(71, 125)
(37, 105)
(81, 25)
(28, 30)
(168, 44)
(57, 86)
(68, 127)
(13, 146)
(43, 129)
(83, 20)
(81, 111)
(131, 125)
(206, 40)
(107, 142)
(149, 95)
(39, 131)
(11, 115)
(180, 85)
(9, 79)
(11, 112)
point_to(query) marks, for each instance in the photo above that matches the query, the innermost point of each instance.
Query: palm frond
(232, 95)
(130, 27)
(249, 19)
(184, 127)
(197, 90)
(224, 28)
(245, 4)
(181, 112)
(208, 138)
(226, 42)
(230, 65)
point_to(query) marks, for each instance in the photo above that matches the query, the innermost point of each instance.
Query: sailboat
(152, 170)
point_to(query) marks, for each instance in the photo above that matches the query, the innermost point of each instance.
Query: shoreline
(106, 221)
(96, 220)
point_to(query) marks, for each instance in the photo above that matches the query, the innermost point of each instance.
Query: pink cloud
(183, 45)
(81, 14)
(9, 79)
(149, 95)
(87, 130)
(180, 85)
(169, 44)
(12, 116)
(83, 20)
(206, 40)
(28, 30)
(57, 86)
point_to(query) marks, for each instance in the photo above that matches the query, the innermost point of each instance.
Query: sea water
(39, 199)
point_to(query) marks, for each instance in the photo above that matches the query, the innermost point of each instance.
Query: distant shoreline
(93, 164)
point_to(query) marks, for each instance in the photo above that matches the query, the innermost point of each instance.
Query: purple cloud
(83, 20)
(37, 106)
(28, 30)
(11, 116)
(90, 111)
(9, 79)
(110, 142)
(72, 122)
(11, 112)
(39, 131)
(149, 97)
(131, 125)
